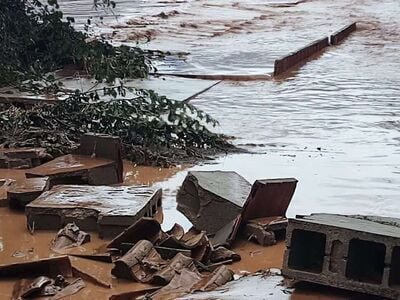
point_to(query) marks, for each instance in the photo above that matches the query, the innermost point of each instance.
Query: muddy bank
(28, 247)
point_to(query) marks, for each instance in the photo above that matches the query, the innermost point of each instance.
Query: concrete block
(358, 253)
(103, 146)
(210, 200)
(77, 169)
(24, 191)
(98, 161)
(108, 210)
(23, 158)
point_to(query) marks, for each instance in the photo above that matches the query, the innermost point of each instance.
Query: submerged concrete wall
(343, 33)
(350, 252)
(285, 63)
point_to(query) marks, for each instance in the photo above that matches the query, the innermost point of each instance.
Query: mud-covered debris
(68, 237)
(71, 289)
(24, 191)
(211, 199)
(255, 232)
(143, 229)
(174, 267)
(43, 286)
(266, 231)
(106, 209)
(23, 158)
(5, 184)
(176, 231)
(139, 263)
(103, 146)
(222, 254)
(51, 267)
(189, 281)
(78, 272)
(168, 253)
(220, 202)
(168, 244)
(171, 254)
(40, 286)
(98, 161)
(227, 234)
(194, 240)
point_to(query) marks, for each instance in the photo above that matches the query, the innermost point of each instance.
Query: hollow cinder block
(359, 253)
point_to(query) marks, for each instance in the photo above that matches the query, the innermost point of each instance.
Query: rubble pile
(69, 194)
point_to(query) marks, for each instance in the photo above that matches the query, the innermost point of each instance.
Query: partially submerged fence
(343, 33)
(289, 61)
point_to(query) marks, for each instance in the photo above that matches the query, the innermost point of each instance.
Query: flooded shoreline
(333, 123)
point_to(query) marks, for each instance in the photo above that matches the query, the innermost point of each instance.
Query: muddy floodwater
(333, 123)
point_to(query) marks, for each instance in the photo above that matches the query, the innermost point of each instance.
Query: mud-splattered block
(211, 200)
(24, 191)
(108, 210)
(359, 253)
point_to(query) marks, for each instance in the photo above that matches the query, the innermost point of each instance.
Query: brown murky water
(333, 124)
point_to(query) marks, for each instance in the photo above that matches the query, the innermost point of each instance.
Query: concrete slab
(23, 158)
(108, 210)
(219, 202)
(98, 161)
(269, 198)
(24, 191)
(74, 168)
(103, 146)
(51, 267)
(359, 253)
(266, 231)
(210, 200)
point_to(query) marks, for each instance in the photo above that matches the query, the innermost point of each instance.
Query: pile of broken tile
(77, 193)
(80, 192)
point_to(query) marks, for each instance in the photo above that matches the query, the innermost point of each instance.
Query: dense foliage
(36, 41)
(154, 129)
